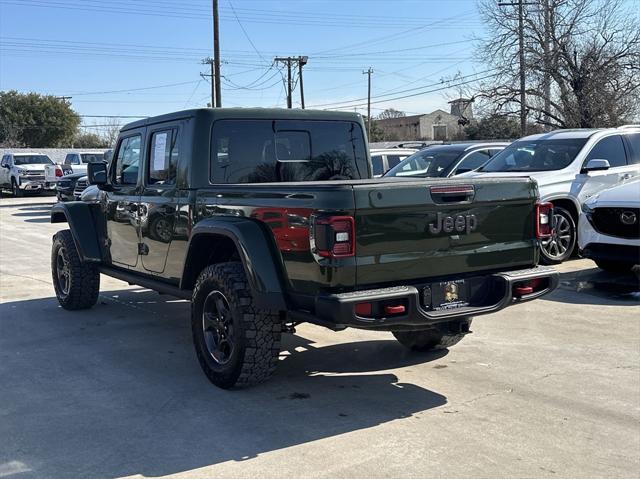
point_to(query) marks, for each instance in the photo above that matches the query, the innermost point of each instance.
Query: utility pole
(216, 56)
(301, 61)
(368, 73)
(210, 62)
(289, 99)
(523, 98)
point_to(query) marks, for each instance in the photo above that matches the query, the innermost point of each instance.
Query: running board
(146, 282)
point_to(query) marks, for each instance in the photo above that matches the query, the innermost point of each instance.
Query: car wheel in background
(559, 247)
(614, 266)
(17, 192)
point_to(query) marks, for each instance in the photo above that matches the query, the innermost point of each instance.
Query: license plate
(449, 295)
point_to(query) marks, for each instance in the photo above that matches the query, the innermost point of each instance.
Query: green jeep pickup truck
(268, 218)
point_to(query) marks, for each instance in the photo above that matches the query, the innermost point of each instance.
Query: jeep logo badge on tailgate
(460, 224)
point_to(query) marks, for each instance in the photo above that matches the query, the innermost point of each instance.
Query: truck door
(122, 202)
(158, 199)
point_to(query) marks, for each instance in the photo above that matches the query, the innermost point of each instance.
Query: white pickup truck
(75, 162)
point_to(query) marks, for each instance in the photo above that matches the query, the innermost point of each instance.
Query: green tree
(36, 121)
(89, 140)
(376, 133)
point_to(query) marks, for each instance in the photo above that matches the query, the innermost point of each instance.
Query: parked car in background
(74, 162)
(446, 160)
(570, 166)
(382, 160)
(609, 227)
(23, 172)
(66, 186)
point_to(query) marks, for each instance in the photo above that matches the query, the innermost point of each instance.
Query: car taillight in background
(544, 220)
(333, 236)
(58, 172)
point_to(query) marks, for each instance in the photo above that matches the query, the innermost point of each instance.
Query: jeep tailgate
(432, 227)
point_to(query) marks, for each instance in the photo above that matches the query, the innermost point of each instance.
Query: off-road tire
(562, 218)
(15, 189)
(614, 266)
(441, 336)
(257, 332)
(83, 278)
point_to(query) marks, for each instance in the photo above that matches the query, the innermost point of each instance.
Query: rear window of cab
(268, 151)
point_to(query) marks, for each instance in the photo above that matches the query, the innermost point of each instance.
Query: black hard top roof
(212, 114)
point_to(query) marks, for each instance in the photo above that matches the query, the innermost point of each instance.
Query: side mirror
(97, 174)
(597, 165)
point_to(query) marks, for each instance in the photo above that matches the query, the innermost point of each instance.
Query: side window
(376, 164)
(261, 151)
(393, 160)
(611, 149)
(634, 140)
(163, 158)
(67, 159)
(127, 161)
(472, 161)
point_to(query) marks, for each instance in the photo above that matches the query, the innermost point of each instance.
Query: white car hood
(627, 194)
(32, 167)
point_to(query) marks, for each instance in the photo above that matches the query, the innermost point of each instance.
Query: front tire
(236, 343)
(560, 246)
(441, 336)
(76, 283)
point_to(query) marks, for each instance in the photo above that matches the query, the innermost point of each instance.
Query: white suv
(22, 172)
(569, 166)
(609, 227)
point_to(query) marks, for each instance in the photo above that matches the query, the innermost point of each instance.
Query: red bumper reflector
(395, 309)
(520, 290)
(364, 309)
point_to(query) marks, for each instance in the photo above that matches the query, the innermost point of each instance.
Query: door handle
(626, 176)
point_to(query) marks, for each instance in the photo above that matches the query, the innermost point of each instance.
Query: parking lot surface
(549, 388)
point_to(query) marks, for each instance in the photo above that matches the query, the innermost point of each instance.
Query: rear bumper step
(494, 292)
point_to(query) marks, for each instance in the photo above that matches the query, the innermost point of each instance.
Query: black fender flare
(255, 252)
(80, 219)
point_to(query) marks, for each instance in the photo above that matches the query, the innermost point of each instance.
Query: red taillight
(334, 236)
(544, 220)
(58, 172)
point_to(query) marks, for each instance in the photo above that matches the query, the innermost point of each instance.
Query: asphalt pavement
(549, 388)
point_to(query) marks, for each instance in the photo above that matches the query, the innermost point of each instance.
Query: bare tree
(582, 62)
(110, 132)
(391, 113)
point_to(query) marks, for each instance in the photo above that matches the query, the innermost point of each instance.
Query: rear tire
(76, 283)
(236, 343)
(441, 336)
(614, 266)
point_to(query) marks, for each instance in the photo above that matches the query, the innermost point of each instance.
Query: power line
(401, 91)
